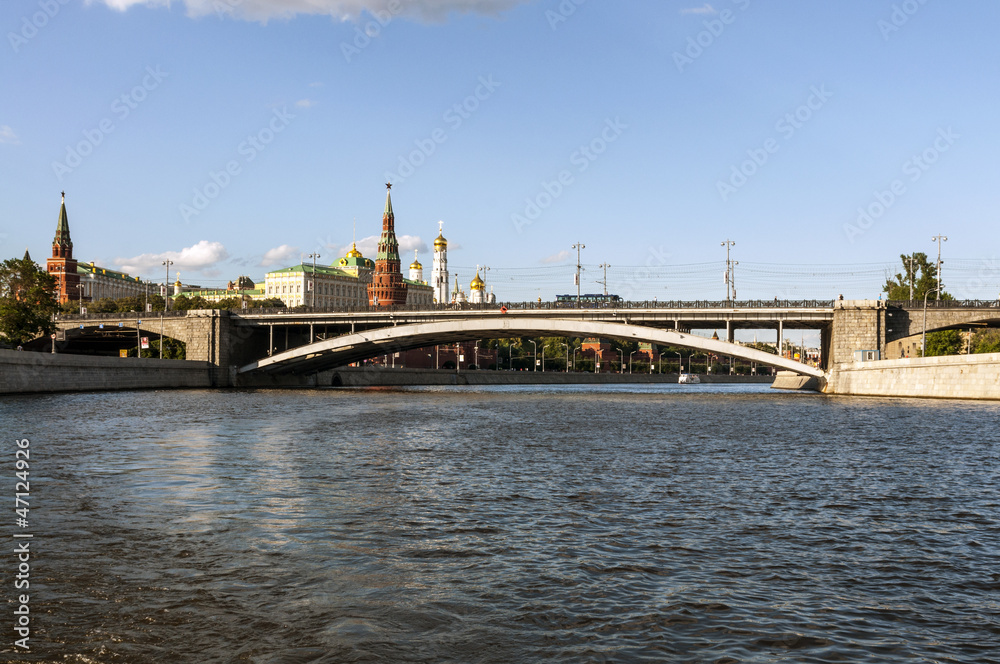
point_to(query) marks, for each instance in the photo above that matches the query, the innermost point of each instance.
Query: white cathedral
(439, 277)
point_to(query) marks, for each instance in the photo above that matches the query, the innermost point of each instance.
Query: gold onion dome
(477, 283)
(440, 243)
(354, 253)
(415, 265)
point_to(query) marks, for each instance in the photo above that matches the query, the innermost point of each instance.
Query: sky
(238, 136)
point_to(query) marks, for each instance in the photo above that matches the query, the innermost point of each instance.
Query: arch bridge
(356, 346)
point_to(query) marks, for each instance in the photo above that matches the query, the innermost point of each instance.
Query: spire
(27, 256)
(388, 202)
(62, 228)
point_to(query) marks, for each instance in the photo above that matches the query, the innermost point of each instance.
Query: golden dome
(440, 243)
(354, 253)
(477, 283)
(415, 265)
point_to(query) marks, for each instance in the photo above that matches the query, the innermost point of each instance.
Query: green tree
(127, 304)
(27, 301)
(105, 305)
(180, 303)
(229, 303)
(946, 342)
(763, 346)
(923, 274)
(986, 341)
(269, 303)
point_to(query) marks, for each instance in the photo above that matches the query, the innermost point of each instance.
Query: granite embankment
(945, 377)
(24, 372)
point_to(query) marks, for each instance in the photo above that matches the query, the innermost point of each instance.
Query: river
(629, 523)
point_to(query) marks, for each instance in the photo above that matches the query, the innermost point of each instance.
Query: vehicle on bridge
(589, 298)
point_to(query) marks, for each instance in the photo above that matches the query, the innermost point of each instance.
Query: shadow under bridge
(354, 347)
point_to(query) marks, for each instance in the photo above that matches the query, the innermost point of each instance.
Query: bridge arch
(348, 348)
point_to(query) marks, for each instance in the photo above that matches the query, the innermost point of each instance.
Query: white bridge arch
(354, 347)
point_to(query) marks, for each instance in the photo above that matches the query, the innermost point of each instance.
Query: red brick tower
(62, 265)
(387, 288)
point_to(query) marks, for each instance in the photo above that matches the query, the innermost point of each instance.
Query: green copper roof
(320, 269)
(350, 261)
(85, 268)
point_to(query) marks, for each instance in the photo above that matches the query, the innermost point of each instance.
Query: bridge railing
(945, 304)
(468, 306)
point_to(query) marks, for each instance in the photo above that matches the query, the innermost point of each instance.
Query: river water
(706, 523)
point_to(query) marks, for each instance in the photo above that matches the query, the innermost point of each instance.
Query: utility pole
(578, 246)
(727, 244)
(605, 267)
(939, 239)
(312, 284)
(166, 288)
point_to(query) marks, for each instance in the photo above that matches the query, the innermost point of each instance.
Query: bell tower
(387, 288)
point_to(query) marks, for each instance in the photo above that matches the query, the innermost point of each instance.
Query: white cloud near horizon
(556, 258)
(278, 256)
(343, 10)
(368, 246)
(704, 9)
(201, 258)
(7, 135)
(305, 103)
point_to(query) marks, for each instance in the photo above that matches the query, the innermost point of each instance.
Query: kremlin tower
(62, 265)
(387, 288)
(439, 270)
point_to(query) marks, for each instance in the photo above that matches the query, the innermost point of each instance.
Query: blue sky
(234, 136)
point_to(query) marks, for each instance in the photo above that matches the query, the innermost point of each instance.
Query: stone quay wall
(26, 372)
(944, 377)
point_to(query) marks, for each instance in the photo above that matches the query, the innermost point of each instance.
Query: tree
(229, 303)
(128, 304)
(947, 342)
(27, 301)
(180, 303)
(763, 346)
(986, 341)
(924, 277)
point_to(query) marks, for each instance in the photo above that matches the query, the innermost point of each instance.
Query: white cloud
(344, 10)
(368, 246)
(557, 258)
(305, 103)
(317, 84)
(279, 256)
(7, 135)
(201, 258)
(704, 9)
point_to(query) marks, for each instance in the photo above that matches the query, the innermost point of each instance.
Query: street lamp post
(680, 363)
(727, 244)
(923, 333)
(312, 285)
(543, 359)
(630, 362)
(939, 239)
(578, 246)
(604, 266)
(621, 360)
(575, 367)
(166, 288)
(567, 355)
(535, 365)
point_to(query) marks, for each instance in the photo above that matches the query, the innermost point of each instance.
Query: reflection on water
(716, 523)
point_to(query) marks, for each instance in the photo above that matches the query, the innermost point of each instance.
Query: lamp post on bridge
(312, 284)
(939, 239)
(166, 288)
(727, 244)
(923, 333)
(578, 246)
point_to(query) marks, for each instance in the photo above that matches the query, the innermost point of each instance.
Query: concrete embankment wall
(946, 377)
(23, 372)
